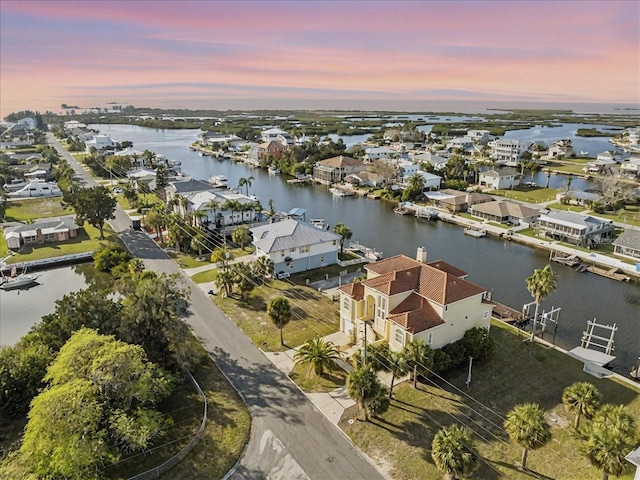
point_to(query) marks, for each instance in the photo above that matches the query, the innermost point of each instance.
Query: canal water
(21, 309)
(500, 266)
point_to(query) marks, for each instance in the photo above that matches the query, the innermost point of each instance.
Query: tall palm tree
(241, 183)
(272, 210)
(419, 357)
(198, 241)
(176, 234)
(526, 425)
(225, 280)
(615, 417)
(262, 266)
(241, 236)
(397, 365)
(248, 182)
(344, 232)
(416, 182)
(363, 386)
(454, 452)
(279, 310)
(581, 398)
(540, 285)
(243, 279)
(318, 354)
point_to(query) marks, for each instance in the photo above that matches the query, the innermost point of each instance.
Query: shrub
(110, 257)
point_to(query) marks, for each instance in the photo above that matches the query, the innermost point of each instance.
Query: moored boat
(21, 280)
(219, 181)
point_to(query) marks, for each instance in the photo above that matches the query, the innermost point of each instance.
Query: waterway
(21, 309)
(495, 264)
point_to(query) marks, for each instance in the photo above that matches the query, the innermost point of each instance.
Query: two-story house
(295, 246)
(403, 300)
(507, 151)
(575, 228)
(560, 149)
(335, 169)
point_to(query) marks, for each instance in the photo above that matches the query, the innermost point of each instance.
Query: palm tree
(397, 365)
(243, 279)
(540, 284)
(581, 398)
(176, 234)
(198, 241)
(222, 255)
(606, 449)
(248, 182)
(272, 210)
(318, 354)
(344, 232)
(279, 310)
(363, 386)
(526, 425)
(419, 357)
(241, 236)
(225, 279)
(262, 266)
(454, 452)
(615, 417)
(241, 183)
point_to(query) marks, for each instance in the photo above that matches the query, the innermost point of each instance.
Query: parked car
(282, 275)
(117, 190)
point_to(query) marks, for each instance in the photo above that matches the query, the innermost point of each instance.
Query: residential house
(365, 179)
(578, 197)
(631, 166)
(296, 246)
(335, 169)
(100, 142)
(507, 151)
(479, 137)
(499, 180)
(457, 201)
(462, 143)
(628, 244)
(143, 179)
(436, 161)
(45, 230)
(35, 188)
(560, 149)
(504, 211)
(575, 228)
(258, 152)
(610, 156)
(601, 166)
(277, 135)
(404, 300)
(40, 172)
(430, 181)
(371, 154)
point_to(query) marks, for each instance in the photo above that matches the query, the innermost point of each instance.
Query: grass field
(32, 209)
(517, 372)
(251, 316)
(308, 381)
(528, 194)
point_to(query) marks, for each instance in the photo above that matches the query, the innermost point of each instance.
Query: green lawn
(308, 381)
(571, 208)
(251, 316)
(528, 194)
(86, 241)
(32, 209)
(628, 214)
(577, 169)
(517, 372)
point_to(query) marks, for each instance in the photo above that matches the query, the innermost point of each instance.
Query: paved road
(290, 439)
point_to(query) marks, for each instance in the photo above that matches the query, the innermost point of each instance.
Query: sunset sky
(210, 54)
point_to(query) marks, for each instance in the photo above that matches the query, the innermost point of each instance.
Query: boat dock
(507, 314)
(425, 212)
(613, 273)
(565, 259)
(48, 262)
(365, 252)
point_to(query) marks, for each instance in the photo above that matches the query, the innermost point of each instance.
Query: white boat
(219, 181)
(320, 223)
(274, 170)
(15, 281)
(475, 232)
(583, 153)
(338, 192)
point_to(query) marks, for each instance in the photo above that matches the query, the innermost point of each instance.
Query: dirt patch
(556, 420)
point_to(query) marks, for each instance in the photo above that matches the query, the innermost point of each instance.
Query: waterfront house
(436, 161)
(601, 166)
(430, 181)
(365, 179)
(335, 169)
(258, 152)
(560, 149)
(100, 142)
(499, 180)
(628, 244)
(507, 151)
(610, 156)
(462, 143)
(277, 135)
(371, 154)
(41, 231)
(578, 197)
(457, 201)
(505, 211)
(574, 228)
(296, 246)
(631, 166)
(479, 137)
(403, 300)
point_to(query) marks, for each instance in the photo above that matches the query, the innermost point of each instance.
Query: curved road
(290, 439)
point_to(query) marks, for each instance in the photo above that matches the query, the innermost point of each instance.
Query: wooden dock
(506, 313)
(613, 273)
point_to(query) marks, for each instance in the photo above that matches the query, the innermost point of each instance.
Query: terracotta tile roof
(447, 267)
(341, 161)
(392, 264)
(415, 314)
(354, 290)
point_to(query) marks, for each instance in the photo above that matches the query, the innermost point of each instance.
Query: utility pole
(364, 352)
(468, 382)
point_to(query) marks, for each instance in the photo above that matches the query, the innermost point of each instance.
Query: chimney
(421, 255)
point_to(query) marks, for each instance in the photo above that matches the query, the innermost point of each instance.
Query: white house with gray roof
(575, 228)
(507, 151)
(628, 244)
(295, 246)
(41, 231)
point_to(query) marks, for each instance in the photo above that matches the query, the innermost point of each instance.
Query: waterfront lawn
(516, 373)
(224, 437)
(629, 214)
(528, 194)
(571, 208)
(33, 209)
(86, 241)
(308, 381)
(314, 315)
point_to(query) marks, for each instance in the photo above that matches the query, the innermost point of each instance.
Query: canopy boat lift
(595, 350)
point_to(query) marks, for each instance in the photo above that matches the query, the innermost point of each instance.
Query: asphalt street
(290, 439)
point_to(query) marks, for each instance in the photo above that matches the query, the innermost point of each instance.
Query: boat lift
(552, 316)
(595, 350)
